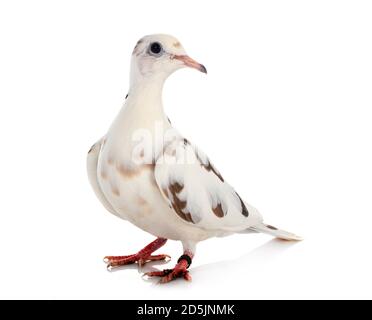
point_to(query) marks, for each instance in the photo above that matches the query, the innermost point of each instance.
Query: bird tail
(278, 233)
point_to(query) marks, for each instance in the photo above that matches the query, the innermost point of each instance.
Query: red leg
(180, 270)
(141, 256)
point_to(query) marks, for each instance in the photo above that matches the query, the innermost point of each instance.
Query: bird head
(158, 56)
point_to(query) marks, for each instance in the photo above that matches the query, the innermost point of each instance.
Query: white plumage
(156, 179)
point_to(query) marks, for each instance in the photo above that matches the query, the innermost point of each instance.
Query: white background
(284, 113)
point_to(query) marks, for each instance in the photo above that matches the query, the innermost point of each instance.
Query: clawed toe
(158, 273)
(145, 255)
(168, 275)
(117, 261)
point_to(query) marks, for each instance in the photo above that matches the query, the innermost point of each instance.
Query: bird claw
(140, 262)
(109, 267)
(166, 258)
(106, 259)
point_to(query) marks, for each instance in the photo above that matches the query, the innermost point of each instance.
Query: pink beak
(191, 63)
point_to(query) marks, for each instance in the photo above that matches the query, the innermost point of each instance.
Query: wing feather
(197, 192)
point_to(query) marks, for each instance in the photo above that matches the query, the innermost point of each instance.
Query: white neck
(146, 94)
(141, 121)
(143, 108)
(146, 88)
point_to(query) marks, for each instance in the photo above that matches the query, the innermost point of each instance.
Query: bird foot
(168, 275)
(141, 257)
(179, 271)
(117, 261)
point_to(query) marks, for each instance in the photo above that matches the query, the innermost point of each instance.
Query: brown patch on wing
(175, 188)
(271, 227)
(110, 161)
(177, 204)
(126, 172)
(218, 211)
(176, 44)
(132, 172)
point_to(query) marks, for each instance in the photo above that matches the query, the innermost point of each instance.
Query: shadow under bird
(156, 179)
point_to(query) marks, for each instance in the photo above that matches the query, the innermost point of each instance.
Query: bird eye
(156, 48)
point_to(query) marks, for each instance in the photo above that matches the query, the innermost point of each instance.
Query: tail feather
(278, 233)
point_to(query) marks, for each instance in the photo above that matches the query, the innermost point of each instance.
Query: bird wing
(92, 161)
(196, 191)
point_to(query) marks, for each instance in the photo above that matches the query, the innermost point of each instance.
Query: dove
(144, 171)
